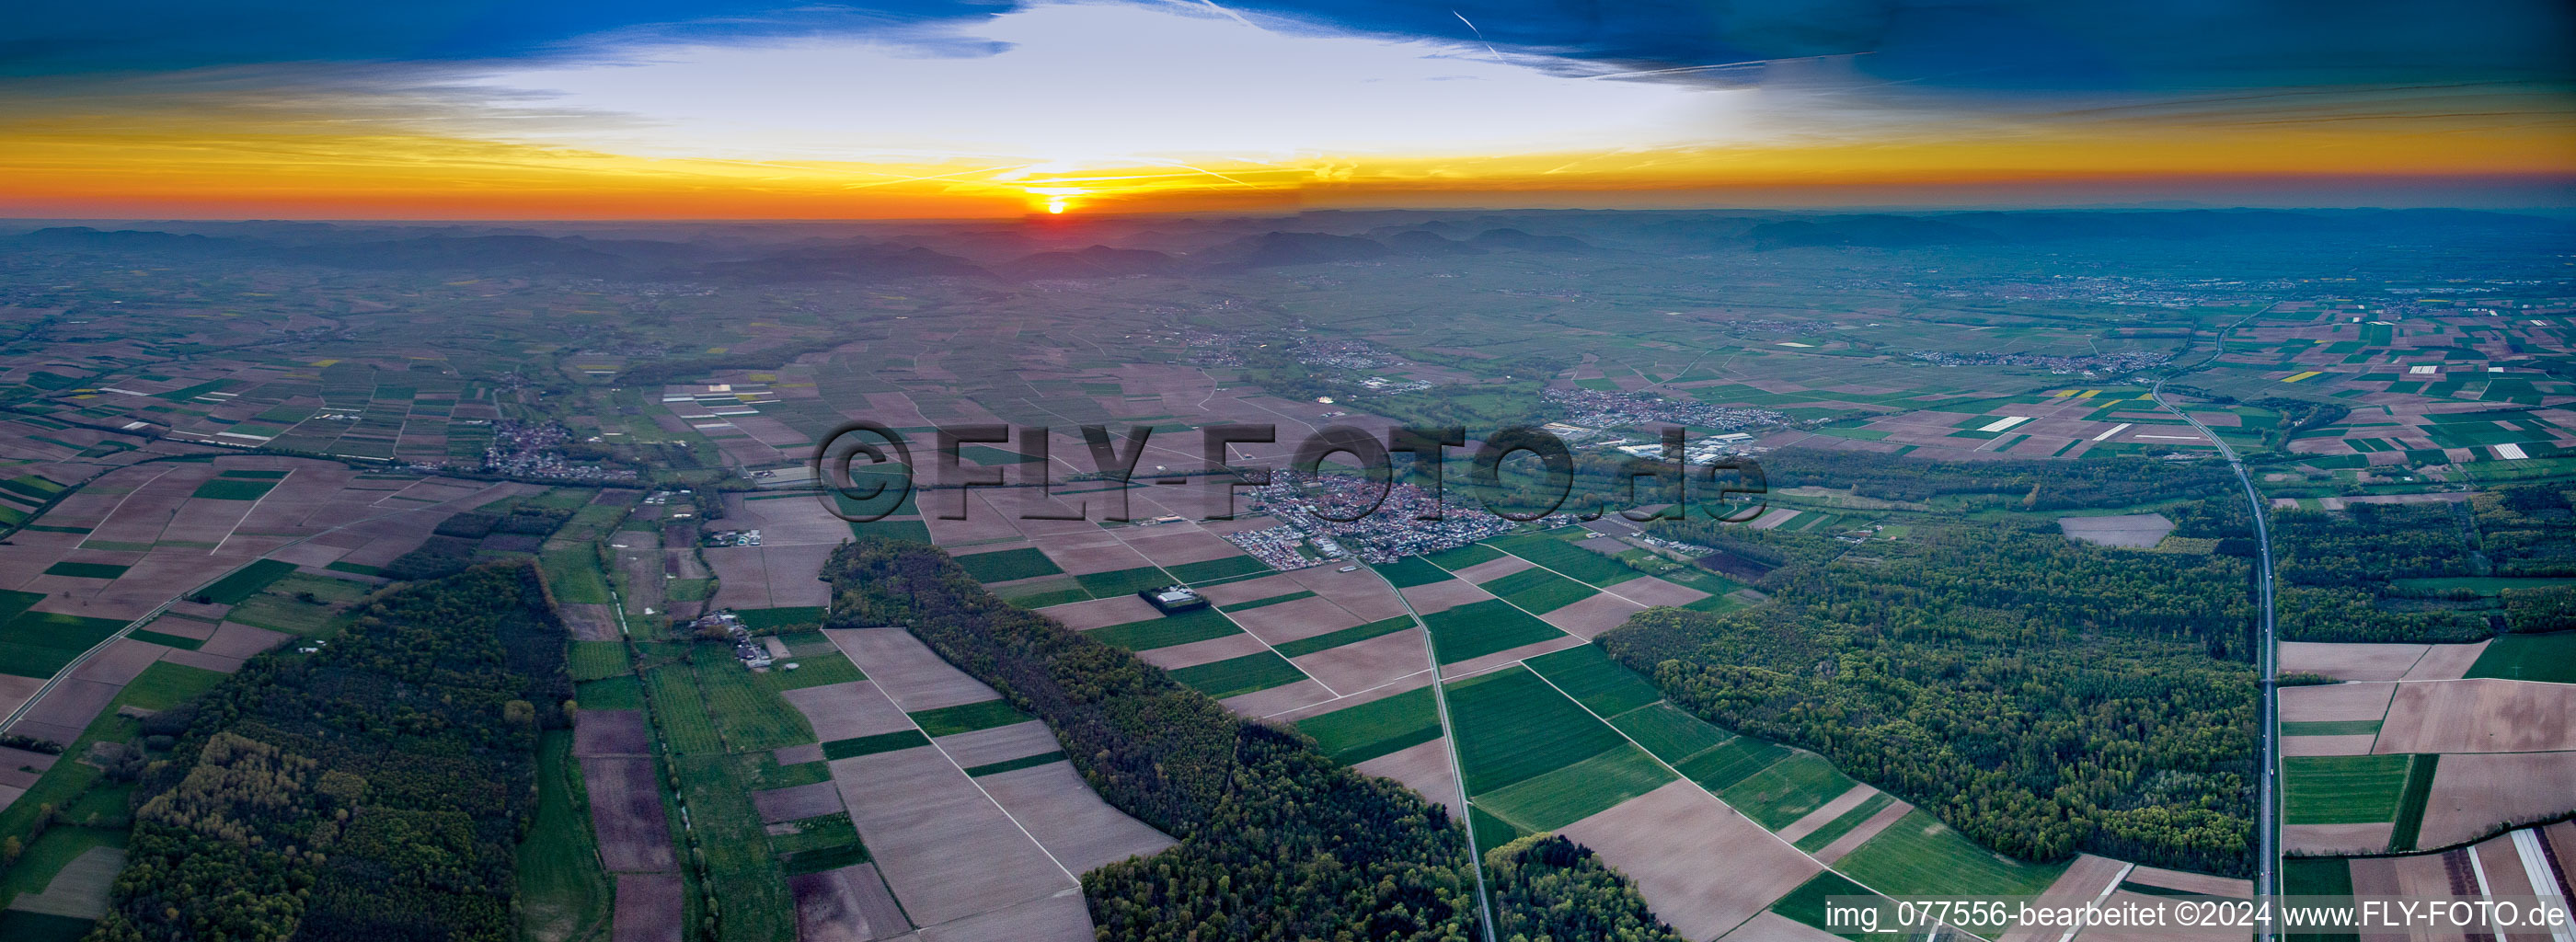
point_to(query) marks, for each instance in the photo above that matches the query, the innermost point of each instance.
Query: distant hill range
(1179, 247)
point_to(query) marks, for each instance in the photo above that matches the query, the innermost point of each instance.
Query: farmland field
(1670, 733)
(1555, 799)
(233, 489)
(1511, 726)
(2542, 657)
(596, 660)
(1409, 571)
(1003, 566)
(1787, 790)
(750, 715)
(1568, 559)
(1207, 570)
(1539, 591)
(968, 717)
(1918, 855)
(1481, 628)
(1240, 675)
(1123, 581)
(1353, 735)
(2341, 789)
(1193, 625)
(562, 890)
(1351, 635)
(1592, 679)
(680, 711)
(245, 582)
(37, 644)
(1733, 761)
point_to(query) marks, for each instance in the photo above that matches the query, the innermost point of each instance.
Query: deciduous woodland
(2042, 696)
(375, 790)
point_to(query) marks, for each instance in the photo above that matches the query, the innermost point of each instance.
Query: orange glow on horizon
(175, 168)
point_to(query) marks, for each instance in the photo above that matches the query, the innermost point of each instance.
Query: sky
(744, 110)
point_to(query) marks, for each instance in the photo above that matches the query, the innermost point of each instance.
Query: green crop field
(1014, 765)
(20, 925)
(1539, 591)
(596, 660)
(1481, 628)
(1264, 603)
(293, 616)
(2341, 789)
(1670, 733)
(1843, 823)
(1464, 556)
(1240, 675)
(170, 641)
(233, 489)
(1806, 904)
(1920, 856)
(1123, 581)
(13, 602)
(812, 670)
(871, 745)
(969, 717)
(2331, 728)
(614, 693)
(572, 576)
(1206, 570)
(1555, 799)
(1043, 594)
(750, 714)
(1353, 735)
(1409, 571)
(1023, 563)
(562, 891)
(1351, 635)
(743, 873)
(2549, 657)
(680, 711)
(2409, 817)
(1781, 794)
(1193, 625)
(1511, 726)
(1604, 686)
(86, 570)
(1732, 762)
(1567, 558)
(244, 582)
(37, 644)
(785, 618)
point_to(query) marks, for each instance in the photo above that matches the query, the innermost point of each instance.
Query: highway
(2267, 753)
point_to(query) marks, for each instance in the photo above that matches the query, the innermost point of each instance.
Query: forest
(2042, 696)
(374, 790)
(1276, 840)
(2023, 484)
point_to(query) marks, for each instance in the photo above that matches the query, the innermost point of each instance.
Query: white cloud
(1094, 84)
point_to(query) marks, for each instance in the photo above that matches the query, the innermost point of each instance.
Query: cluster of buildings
(730, 538)
(1275, 546)
(754, 653)
(1389, 532)
(1589, 409)
(535, 450)
(1342, 354)
(2090, 364)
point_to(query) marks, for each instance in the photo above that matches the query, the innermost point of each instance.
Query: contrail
(1480, 35)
